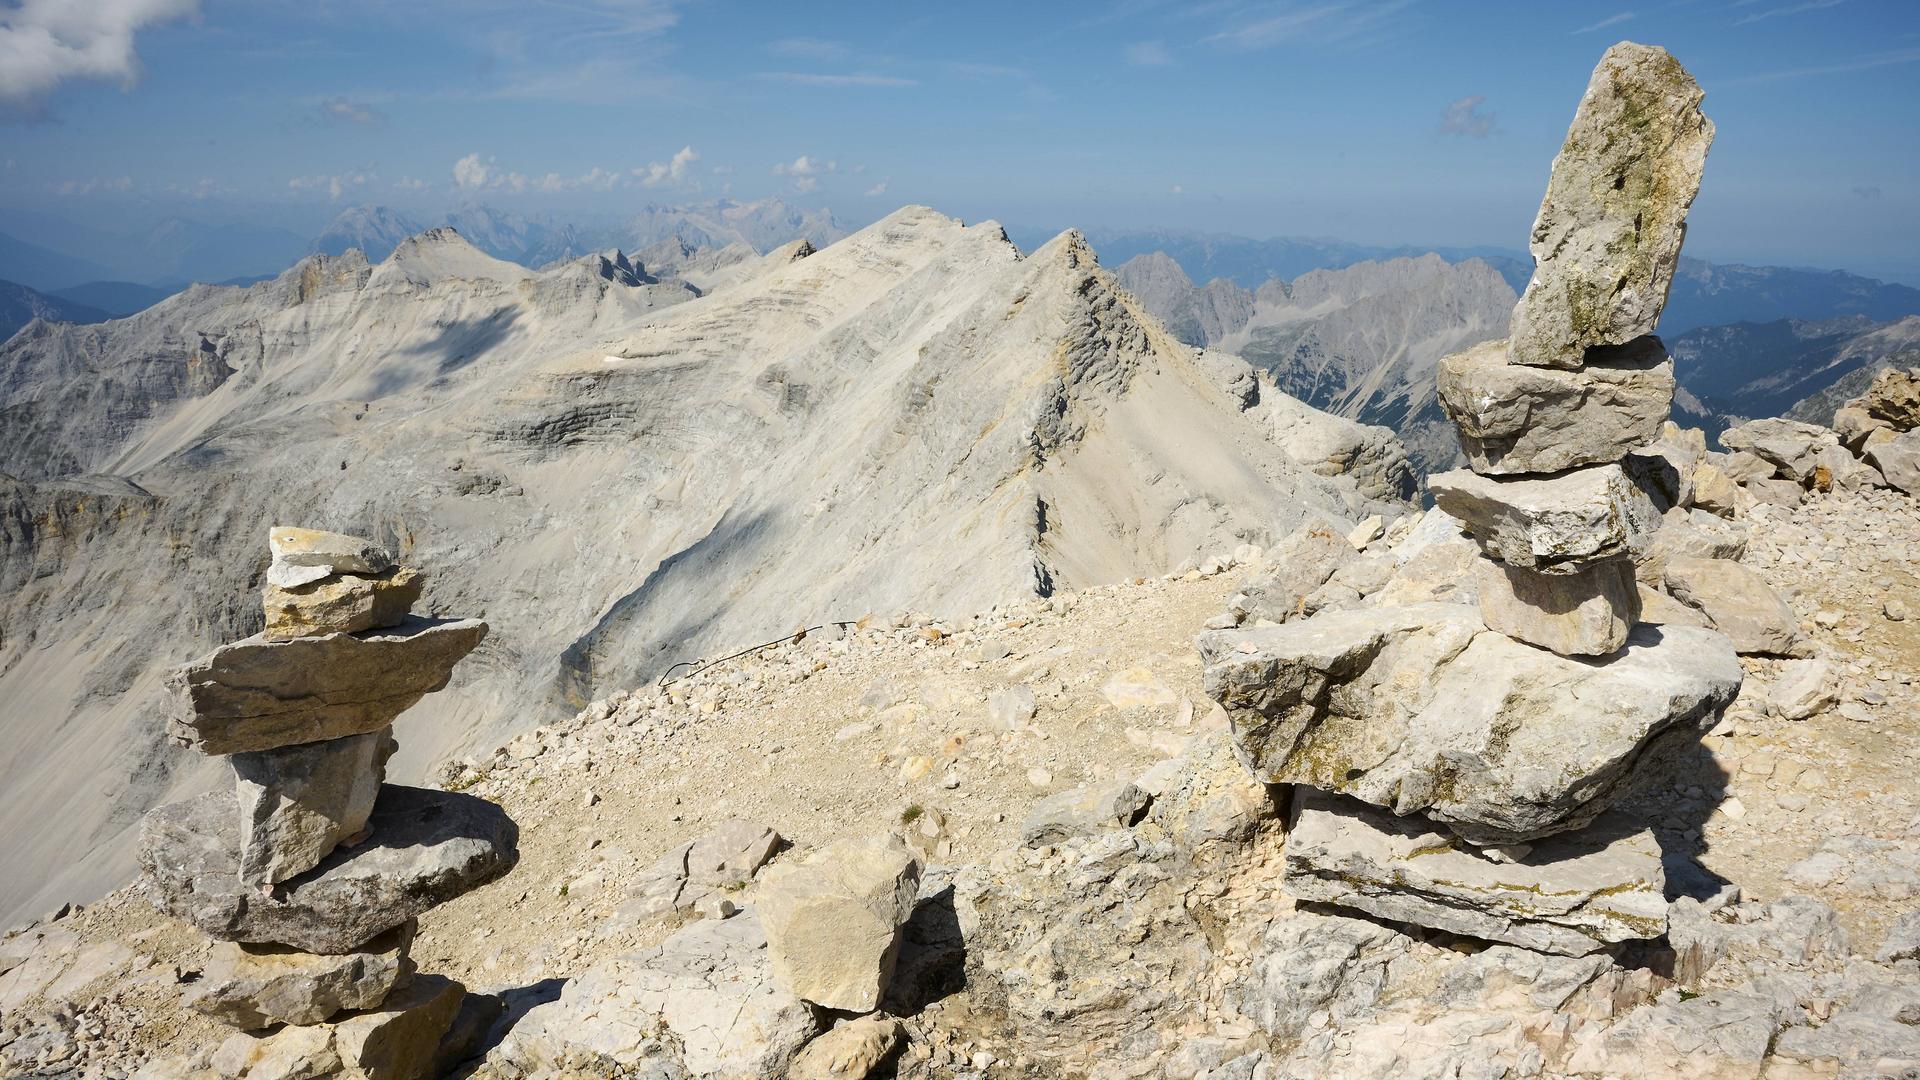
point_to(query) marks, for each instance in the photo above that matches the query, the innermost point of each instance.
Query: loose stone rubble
(311, 872)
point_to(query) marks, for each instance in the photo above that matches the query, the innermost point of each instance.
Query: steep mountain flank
(612, 470)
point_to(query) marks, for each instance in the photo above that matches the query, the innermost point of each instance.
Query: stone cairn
(310, 872)
(1454, 763)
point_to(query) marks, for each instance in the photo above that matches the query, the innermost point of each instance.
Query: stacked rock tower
(310, 872)
(1455, 762)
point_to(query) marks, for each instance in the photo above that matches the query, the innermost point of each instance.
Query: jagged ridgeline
(617, 466)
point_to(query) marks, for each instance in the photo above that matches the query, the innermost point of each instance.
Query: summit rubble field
(1801, 832)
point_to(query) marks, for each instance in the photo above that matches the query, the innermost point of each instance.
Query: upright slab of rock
(1609, 230)
(311, 871)
(1456, 762)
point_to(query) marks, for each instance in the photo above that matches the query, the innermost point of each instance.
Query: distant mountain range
(20, 305)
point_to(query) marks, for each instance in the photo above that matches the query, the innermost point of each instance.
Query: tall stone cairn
(1455, 764)
(311, 872)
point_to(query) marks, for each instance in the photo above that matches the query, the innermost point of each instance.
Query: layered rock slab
(258, 694)
(426, 848)
(345, 603)
(1570, 894)
(1737, 602)
(302, 556)
(298, 803)
(260, 985)
(1588, 613)
(1422, 709)
(1608, 234)
(1553, 524)
(1514, 419)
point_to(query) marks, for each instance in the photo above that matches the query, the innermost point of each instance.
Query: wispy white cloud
(204, 188)
(46, 42)
(877, 189)
(1790, 9)
(335, 185)
(1325, 23)
(1860, 63)
(671, 171)
(1466, 117)
(804, 172)
(409, 183)
(809, 48)
(818, 78)
(1148, 54)
(343, 111)
(93, 184)
(1177, 189)
(1611, 20)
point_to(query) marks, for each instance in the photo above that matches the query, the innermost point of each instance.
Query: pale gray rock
(1744, 466)
(1609, 230)
(1555, 525)
(305, 556)
(1515, 418)
(1659, 609)
(1854, 424)
(255, 986)
(427, 847)
(258, 694)
(1587, 613)
(703, 1003)
(400, 1037)
(1665, 471)
(1902, 941)
(1694, 532)
(1012, 708)
(1898, 461)
(853, 1050)
(1205, 800)
(1835, 468)
(1801, 689)
(1723, 1033)
(1787, 493)
(298, 803)
(1574, 893)
(707, 869)
(1083, 810)
(833, 918)
(1737, 601)
(1298, 566)
(1790, 446)
(1422, 709)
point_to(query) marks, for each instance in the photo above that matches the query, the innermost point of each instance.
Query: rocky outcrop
(832, 920)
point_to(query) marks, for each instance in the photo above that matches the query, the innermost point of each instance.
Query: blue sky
(1395, 122)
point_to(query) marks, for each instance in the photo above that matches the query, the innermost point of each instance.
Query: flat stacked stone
(1456, 763)
(311, 872)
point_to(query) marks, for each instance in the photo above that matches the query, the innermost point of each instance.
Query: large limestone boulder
(1898, 460)
(703, 1003)
(1298, 566)
(833, 919)
(1514, 418)
(1574, 893)
(1790, 446)
(303, 556)
(396, 1040)
(256, 986)
(851, 1051)
(1609, 230)
(298, 803)
(1893, 398)
(1422, 709)
(1553, 524)
(342, 604)
(426, 848)
(258, 694)
(1738, 602)
(1582, 614)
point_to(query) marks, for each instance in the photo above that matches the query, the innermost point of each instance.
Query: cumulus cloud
(335, 185)
(803, 172)
(1466, 117)
(472, 172)
(408, 183)
(342, 111)
(672, 171)
(45, 42)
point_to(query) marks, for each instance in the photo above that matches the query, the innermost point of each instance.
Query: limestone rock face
(261, 985)
(1893, 398)
(704, 1000)
(258, 694)
(343, 603)
(833, 918)
(1737, 601)
(1582, 614)
(1569, 894)
(1609, 230)
(1789, 445)
(1514, 418)
(1898, 461)
(1421, 709)
(298, 803)
(302, 556)
(1554, 524)
(427, 847)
